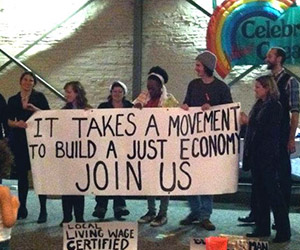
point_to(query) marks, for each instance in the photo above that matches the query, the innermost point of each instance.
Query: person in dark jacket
(3, 118)
(261, 156)
(20, 108)
(76, 99)
(3, 121)
(116, 99)
(288, 87)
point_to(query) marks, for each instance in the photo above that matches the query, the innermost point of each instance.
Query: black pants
(23, 186)
(22, 163)
(73, 201)
(285, 174)
(253, 202)
(284, 177)
(102, 202)
(269, 196)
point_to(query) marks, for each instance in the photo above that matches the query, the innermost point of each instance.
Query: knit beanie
(208, 59)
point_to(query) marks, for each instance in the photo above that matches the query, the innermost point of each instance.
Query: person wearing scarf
(156, 96)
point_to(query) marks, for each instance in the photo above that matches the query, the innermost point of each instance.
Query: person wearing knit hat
(208, 59)
(204, 91)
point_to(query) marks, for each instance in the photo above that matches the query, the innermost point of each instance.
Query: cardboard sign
(100, 236)
(239, 242)
(235, 242)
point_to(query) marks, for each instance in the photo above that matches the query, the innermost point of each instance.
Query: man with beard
(289, 98)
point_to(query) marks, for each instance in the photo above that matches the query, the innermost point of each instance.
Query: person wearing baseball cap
(204, 91)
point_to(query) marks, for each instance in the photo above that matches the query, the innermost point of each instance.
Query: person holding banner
(116, 99)
(204, 92)
(76, 99)
(262, 157)
(20, 107)
(156, 96)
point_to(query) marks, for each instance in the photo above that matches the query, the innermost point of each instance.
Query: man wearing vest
(289, 98)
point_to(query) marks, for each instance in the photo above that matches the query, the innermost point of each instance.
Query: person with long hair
(20, 108)
(261, 156)
(116, 99)
(288, 87)
(155, 96)
(75, 99)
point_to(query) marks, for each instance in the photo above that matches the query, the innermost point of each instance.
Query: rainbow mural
(221, 35)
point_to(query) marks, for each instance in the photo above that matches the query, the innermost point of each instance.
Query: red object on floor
(216, 243)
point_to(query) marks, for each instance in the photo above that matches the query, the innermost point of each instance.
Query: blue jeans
(201, 206)
(164, 203)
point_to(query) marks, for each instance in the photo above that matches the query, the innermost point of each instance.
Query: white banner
(153, 151)
(97, 236)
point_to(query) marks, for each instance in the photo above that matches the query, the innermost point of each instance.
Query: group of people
(269, 140)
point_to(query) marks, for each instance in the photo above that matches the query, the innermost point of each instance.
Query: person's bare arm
(17, 124)
(9, 207)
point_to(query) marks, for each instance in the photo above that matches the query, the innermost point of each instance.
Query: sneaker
(281, 239)
(147, 218)
(207, 224)
(121, 212)
(257, 234)
(159, 220)
(64, 221)
(99, 213)
(80, 220)
(247, 219)
(22, 213)
(42, 218)
(189, 220)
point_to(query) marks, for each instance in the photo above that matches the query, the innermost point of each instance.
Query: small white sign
(100, 236)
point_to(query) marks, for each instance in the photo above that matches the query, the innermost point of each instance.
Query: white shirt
(5, 233)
